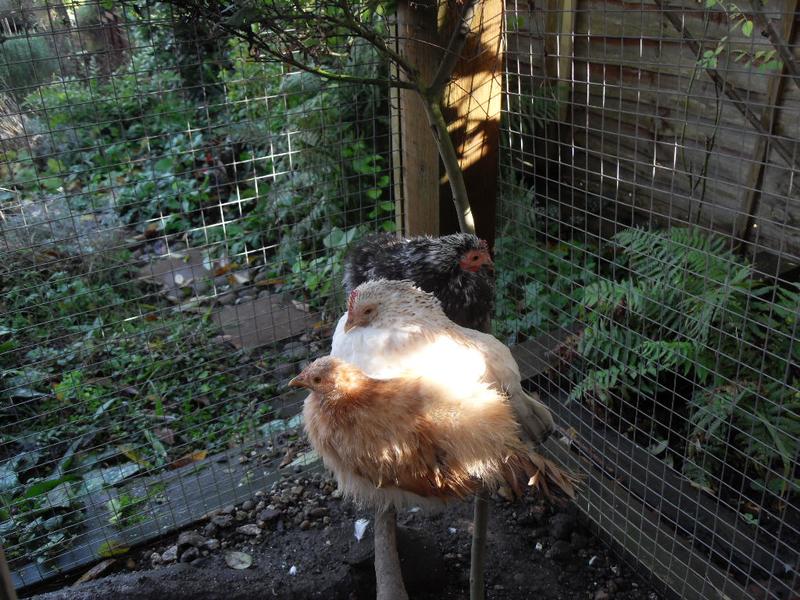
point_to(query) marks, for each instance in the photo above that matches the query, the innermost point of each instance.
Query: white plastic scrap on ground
(292, 570)
(360, 528)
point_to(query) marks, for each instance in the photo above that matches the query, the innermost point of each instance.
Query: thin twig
(454, 47)
(290, 60)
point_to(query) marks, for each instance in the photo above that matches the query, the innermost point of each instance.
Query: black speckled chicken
(457, 269)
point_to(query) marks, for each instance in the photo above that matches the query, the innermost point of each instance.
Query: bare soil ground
(300, 537)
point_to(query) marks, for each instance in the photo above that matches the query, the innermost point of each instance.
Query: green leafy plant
(537, 286)
(26, 62)
(763, 60)
(87, 352)
(125, 509)
(687, 307)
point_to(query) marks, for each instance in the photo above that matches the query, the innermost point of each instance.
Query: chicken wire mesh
(647, 258)
(174, 214)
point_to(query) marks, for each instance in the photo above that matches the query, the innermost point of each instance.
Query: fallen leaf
(112, 548)
(304, 306)
(288, 457)
(131, 453)
(239, 278)
(188, 459)
(60, 496)
(97, 479)
(238, 560)
(8, 479)
(270, 281)
(151, 230)
(166, 435)
(95, 571)
(225, 267)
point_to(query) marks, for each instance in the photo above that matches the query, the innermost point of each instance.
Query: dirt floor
(300, 537)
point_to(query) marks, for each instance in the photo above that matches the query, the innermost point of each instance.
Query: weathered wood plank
(472, 107)
(630, 110)
(625, 140)
(416, 24)
(658, 196)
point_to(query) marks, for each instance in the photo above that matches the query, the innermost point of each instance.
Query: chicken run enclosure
(174, 211)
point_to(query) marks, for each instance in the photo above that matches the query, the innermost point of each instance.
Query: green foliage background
(260, 166)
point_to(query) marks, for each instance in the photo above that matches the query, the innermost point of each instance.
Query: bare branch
(447, 151)
(454, 47)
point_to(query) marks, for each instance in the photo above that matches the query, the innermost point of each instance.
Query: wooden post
(388, 574)
(743, 225)
(472, 105)
(6, 584)
(418, 42)
(565, 48)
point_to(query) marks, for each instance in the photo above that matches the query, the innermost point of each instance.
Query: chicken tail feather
(534, 417)
(554, 483)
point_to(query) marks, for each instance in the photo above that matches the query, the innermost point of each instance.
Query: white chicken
(393, 328)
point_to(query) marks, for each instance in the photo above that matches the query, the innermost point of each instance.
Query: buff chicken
(406, 441)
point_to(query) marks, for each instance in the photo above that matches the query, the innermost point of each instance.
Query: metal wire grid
(595, 142)
(164, 237)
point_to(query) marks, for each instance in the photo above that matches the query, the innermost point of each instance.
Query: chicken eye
(475, 257)
(367, 311)
(317, 380)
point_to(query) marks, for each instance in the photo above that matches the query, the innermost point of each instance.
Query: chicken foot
(388, 576)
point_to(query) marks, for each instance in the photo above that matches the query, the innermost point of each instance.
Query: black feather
(432, 263)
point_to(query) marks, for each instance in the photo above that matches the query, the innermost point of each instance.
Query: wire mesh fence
(174, 214)
(647, 260)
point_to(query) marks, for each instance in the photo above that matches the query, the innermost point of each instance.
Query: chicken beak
(348, 325)
(298, 382)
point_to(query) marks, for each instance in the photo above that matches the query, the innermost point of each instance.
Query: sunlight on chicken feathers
(408, 333)
(410, 441)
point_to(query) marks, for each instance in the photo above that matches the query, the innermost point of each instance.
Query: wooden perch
(478, 551)
(388, 577)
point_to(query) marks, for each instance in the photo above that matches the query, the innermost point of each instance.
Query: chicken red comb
(351, 300)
